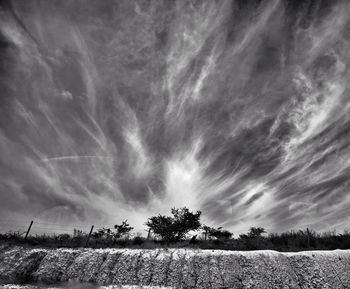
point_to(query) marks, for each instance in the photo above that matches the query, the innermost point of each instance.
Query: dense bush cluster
(173, 232)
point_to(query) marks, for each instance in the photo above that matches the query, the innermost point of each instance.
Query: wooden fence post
(88, 237)
(308, 237)
(30, 226)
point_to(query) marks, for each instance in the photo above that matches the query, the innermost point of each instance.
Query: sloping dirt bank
(177, 268)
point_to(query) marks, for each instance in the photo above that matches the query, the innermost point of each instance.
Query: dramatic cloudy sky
(121, 109)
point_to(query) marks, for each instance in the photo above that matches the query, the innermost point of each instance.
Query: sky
(123, 109)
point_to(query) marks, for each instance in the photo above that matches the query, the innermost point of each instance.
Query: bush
(221, 234)
(122, 230)
(138, 240)
(109, 235)
(218, 233)
(254, 232)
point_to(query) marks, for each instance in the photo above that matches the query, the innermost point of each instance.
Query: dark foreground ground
(174, 268)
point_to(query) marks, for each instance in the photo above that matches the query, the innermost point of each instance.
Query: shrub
(218, 233)
(122, 230)
(109, 235)
(138, 240)
(221, 234)
(254, 232)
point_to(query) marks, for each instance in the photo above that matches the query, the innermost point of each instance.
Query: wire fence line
(12, 229)
(41, 227)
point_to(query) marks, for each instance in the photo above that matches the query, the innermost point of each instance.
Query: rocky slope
(176, 268)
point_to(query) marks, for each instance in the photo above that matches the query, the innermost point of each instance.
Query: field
(175, 268)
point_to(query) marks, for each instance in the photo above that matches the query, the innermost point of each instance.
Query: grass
(287, 241)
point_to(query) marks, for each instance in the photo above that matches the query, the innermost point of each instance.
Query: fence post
(30, 226)
(308, 237)
(88, 237)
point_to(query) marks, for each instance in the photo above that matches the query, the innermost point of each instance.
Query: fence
(39, 227)
(44, 228)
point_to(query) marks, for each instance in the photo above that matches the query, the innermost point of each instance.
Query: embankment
(177, 268)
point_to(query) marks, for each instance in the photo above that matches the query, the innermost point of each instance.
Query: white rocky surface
(80, 286)
(174, 268)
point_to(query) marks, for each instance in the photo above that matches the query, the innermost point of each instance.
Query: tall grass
(287, 241)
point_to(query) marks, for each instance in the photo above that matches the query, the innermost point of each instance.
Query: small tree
(176, 227)
(255, 232)
(122, 229)
(162, 226)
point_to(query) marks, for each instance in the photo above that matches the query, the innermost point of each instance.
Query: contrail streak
(73, 158)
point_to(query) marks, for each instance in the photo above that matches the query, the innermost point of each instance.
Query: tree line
(174, 228)
(174, 231)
